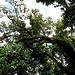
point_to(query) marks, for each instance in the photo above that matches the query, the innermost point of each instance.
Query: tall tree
(43, 53)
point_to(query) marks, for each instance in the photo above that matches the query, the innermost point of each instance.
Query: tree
(15, 59)
(45, 54)
(68, 8)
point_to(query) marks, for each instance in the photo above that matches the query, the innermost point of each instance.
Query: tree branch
(60, 65)
(67, 47)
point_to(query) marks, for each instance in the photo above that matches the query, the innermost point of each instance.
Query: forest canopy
(44, 47)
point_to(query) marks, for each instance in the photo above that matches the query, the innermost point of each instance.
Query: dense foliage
(42, 46)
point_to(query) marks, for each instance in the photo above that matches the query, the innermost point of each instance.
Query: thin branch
(25, 29)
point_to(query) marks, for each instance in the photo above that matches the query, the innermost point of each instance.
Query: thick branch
(67, 47)
(61, 66)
